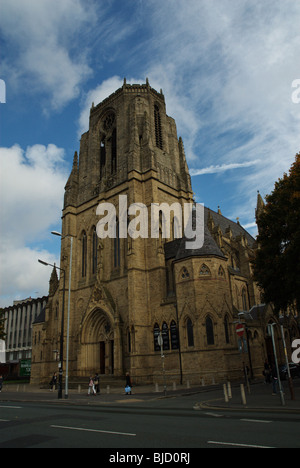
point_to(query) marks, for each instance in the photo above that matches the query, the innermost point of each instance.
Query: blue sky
(226, 68)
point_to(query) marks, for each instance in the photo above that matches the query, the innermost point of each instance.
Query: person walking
(128, 384)
(53, 382)
(267, 372)
(97, 383)
(91, 387)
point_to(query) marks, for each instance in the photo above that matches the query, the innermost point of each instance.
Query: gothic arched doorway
(98, 343)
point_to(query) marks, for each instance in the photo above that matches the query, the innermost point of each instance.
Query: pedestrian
(274, 380)
(53, 382)
(128, 384)
(1, 383)
(91, 387)
(97, 383)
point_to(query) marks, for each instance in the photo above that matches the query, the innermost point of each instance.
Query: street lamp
(61, 332)
(56, 233)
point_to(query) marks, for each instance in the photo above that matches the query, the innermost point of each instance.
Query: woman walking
(91, 387)
(128, 384)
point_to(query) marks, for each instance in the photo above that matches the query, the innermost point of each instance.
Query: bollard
(243, 395)
(203, 383)
(79, 389)
(174, 386)
(156, 388)
(225, 393)
(188, 384)
(229, 390)
(108, 389)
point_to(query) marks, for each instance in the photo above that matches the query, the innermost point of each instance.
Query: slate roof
(41, 318)
(177, 248)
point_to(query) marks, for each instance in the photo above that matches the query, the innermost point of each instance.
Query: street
(160, 424)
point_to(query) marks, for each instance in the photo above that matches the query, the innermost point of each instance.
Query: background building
(18, 328)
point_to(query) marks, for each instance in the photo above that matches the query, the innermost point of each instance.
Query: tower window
(95, 251)
(158, 132)
(102, 158)
(114, 152)
(84, 255)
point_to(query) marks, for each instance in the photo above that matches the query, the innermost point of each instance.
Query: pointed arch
(221, 272)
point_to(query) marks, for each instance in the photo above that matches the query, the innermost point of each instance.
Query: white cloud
(234, 63)
(41, 36)
(222, 168)
(31, 196)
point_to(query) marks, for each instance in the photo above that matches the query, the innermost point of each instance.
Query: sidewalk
(260, 399)
(211, 397)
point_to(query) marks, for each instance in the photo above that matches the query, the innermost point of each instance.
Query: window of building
(210, 331)
(83, 255)
(226, 330)
(174, 335)
(129, 341)
(221, 272)
(185, 274)
(117, 258)
(190, 332)
(102, 158)
(158, 132)
(165, 336)
(95, 251)
(114, 152)
(244, 299)
(205, 271)
(156, 333)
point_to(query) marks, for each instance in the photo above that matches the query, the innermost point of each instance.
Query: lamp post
(61, 357)
(271, 330)
(55, 233)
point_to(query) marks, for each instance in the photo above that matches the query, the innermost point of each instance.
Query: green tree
(277, 262)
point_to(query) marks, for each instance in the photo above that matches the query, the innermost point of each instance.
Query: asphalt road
(158, 425)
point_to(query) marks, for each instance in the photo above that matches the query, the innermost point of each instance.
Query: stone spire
(53, 283)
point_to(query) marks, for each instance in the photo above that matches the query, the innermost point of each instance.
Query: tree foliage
(277, 262)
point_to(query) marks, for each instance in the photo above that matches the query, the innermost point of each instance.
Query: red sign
(240, 329)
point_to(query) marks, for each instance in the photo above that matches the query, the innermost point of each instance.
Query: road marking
(257, 421)
(94, 430)
(4, 420)
(12, 407)
(232, 444)
(215, 415)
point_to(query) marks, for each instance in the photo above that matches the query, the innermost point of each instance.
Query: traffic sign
(240, 329)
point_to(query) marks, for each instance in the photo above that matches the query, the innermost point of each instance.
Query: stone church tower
(125, 291)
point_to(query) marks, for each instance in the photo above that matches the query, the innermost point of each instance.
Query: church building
(130, 297)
